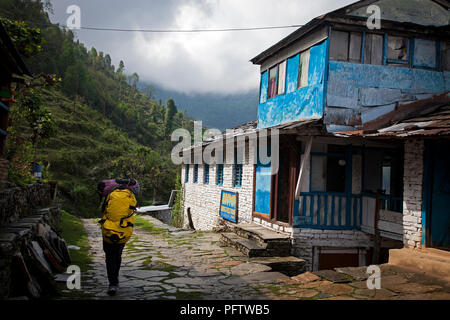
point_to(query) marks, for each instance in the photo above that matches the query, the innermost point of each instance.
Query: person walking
(117, 225)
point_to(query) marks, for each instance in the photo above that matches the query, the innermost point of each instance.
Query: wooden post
(191, 224)
(377, 238)
(303, 164)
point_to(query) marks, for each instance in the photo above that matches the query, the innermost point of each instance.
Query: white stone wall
(304, 241)
(204, 200)
(412, 193)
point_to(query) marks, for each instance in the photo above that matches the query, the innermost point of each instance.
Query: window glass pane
(195, 173)
(303, 69)
(339, 45)
(272, 82)
(397, 48)
(355, 47)
(206, 174)
(281, 77)
(373, 49)
(220, 174)
(425, 53)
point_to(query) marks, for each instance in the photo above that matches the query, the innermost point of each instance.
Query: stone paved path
(169, 263)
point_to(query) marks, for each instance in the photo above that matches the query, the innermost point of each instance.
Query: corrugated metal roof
(431, 121)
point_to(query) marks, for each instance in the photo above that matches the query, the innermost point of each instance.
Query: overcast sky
(200, 62)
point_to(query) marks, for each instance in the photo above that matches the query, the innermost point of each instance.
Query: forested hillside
(101, 125)
(221, 111)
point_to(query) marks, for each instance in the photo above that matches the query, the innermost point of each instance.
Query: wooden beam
(304, 162)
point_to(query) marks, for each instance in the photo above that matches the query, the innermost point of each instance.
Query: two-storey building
(362, 158)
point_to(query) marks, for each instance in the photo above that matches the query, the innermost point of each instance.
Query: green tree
(171, 111)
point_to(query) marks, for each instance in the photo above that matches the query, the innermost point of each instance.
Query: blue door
(439, 208)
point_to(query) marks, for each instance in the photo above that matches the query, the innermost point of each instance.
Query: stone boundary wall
(17, 202)
(412, 193)
(204, 200)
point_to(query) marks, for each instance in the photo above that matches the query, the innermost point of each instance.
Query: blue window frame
(206, 174)
(397, 50)
(219, 180)
(186, 174)
(195, 173)
(237, 176)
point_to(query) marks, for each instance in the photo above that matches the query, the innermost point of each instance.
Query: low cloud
(192, 62)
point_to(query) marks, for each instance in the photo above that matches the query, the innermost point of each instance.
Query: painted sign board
(229, 205)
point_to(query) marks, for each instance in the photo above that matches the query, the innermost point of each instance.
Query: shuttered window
(346, 46)
(373, 49)
(425, 53)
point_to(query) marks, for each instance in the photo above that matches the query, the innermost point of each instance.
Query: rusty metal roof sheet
(430, 117)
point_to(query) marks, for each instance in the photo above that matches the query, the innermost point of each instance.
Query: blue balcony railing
(325, 210)
(339, 211)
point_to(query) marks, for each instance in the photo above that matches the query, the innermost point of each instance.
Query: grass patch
(188, 295)
(148, 226)
(73, 232)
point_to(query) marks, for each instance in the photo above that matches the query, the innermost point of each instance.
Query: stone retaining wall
(16, 202)
(4, 164)
(20, 220)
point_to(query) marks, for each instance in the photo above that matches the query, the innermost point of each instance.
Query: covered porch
(332, 183)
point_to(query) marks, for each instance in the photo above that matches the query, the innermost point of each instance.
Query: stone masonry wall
(412, 193)
(304, 240)
(16, 202)
(3, 169)
(204, 200)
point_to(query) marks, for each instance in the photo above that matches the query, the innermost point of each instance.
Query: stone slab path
(163, 262)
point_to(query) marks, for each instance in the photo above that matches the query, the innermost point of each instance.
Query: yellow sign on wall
(229, 205)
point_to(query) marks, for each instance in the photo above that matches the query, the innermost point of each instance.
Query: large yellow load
(118, 216)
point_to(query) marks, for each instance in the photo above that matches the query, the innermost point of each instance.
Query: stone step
(264, 236)
(248, 247)
(252, 248)
(290, 266)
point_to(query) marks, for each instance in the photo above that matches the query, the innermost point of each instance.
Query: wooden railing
(325, 210)
(394, 205)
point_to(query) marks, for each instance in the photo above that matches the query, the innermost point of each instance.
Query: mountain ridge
(228, 110)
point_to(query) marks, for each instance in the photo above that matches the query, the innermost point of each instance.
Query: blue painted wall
(296, 104)
(262, 189)
(364, 92)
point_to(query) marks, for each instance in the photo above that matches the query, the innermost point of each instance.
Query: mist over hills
(215, 110)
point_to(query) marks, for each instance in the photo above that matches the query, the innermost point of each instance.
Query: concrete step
(431, 262)
(268, 238)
